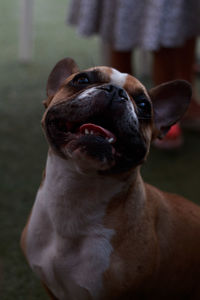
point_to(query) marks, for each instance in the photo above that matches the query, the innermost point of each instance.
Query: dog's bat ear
(63, 69)
(170, 102)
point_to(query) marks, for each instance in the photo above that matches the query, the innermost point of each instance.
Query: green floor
(23, 147)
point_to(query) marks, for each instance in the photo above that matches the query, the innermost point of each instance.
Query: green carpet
(23, 147)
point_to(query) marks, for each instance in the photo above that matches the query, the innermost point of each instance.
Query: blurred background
(22, 144)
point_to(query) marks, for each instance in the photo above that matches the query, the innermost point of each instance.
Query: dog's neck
(78, 201)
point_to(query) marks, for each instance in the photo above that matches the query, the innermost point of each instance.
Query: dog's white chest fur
(67, 244)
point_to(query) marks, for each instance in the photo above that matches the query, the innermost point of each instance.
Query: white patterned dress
(148, 24)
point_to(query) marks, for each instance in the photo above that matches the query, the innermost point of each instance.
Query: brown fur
(156, 240)
(49, 293)
(160, 254)
(23, 236)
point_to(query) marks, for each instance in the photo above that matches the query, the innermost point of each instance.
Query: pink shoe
(172, 140)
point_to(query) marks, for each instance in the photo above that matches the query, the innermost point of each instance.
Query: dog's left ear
(63, 69)
(170, 102)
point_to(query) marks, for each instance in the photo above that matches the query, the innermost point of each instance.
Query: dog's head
(105, 120)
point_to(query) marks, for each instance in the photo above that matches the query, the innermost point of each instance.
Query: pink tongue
(97, 130)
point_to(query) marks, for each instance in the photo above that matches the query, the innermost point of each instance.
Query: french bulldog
(96, 230)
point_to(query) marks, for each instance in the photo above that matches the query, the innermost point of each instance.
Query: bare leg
(121, 61)
(174, 63)
(117, 59)
(177, 63)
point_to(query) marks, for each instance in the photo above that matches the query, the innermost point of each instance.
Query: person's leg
(170, 64)
(185, 69)
(174, 63)
(120, 60)
(162, 70)
(184, 60)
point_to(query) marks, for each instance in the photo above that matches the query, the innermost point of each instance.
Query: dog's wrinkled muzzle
(102, 122)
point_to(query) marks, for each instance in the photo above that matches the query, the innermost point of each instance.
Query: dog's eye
(141, 101)
(81, 79)
(143, 104)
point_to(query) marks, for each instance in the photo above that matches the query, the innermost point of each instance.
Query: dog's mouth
(97, 130)
(96, 133)
(64, 133)
(102, 137)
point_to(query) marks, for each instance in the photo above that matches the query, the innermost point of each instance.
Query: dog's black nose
(115, 91)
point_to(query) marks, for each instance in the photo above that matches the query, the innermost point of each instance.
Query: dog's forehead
(124, 80)
(102, 75)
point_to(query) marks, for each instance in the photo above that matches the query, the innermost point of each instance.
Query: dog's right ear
(63, 69)
(170, 102)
